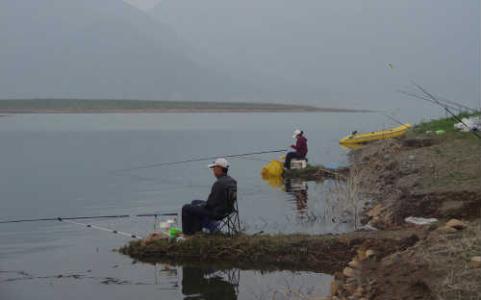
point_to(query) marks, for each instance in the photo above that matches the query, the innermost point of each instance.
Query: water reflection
(209, 283)
(328, 205)
(274, 181)
(295, 187)
(298, 189)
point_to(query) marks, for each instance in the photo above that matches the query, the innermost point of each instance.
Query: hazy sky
(143, 4)
(322, 52)
(340, 51)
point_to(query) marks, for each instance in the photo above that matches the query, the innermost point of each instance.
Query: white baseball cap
(220, 162)
(297, 132)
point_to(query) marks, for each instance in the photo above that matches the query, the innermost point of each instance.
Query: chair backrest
(232, 201)
(231, 206)
(231, 220)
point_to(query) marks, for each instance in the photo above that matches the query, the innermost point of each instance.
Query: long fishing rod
(445, 108)
(413, 95)
(443, 101)
(392, 118)
(93, 226)
(88, 217)
(157, 215)
(64, 218)
(456, 104)
(198, 159)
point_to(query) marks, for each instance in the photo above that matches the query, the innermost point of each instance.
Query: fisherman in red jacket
(300, 147)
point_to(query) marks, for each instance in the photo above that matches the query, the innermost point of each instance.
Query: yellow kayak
(359, 138)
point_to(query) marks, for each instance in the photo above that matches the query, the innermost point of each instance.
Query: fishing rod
(198, 159)
(157, 215)
(413, 95)
(392, 118)
(459, 105)
(88, 217)
(438, 100)
(65, 218)
(433, 98)
(88, 225)
(444, 102)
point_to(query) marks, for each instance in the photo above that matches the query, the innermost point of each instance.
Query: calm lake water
(65, 165)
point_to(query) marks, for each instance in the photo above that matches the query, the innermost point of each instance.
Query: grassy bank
(108, 105)
(445, 124)
(326, 254)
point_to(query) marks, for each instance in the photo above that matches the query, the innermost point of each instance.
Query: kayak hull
(362, 138)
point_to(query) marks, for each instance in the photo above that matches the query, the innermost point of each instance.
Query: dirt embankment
(421, 176)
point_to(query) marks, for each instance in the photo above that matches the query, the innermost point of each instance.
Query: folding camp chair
(229, 223)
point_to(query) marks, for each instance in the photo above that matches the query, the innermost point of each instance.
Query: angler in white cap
(300, 147)
(198, 212)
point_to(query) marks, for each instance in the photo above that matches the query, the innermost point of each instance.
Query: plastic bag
(274, 168)
(420, 221)
(473, 123)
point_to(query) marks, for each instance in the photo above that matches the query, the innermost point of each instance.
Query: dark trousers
(289, 157)
(193, 215)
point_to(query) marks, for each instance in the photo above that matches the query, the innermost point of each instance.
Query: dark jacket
(217, 202)
(301, 146)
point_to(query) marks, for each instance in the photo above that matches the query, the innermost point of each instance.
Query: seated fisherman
(216, 206)
(300, 147)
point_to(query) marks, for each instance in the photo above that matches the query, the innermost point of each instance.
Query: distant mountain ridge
(92, 49)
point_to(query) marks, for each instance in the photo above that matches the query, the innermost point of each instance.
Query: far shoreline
(105, 106)
(166, 111)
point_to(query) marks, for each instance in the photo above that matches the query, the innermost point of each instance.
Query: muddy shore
(420, 175)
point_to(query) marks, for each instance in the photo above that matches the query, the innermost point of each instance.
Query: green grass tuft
(446, 124)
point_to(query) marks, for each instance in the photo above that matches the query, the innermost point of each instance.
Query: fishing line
(131, 235)
(197, 160)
